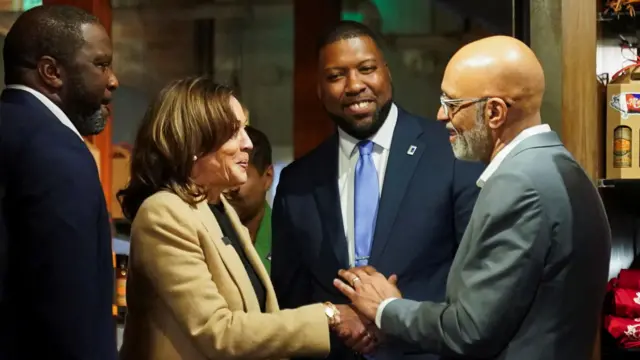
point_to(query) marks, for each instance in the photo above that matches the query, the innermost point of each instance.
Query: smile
(361, 107)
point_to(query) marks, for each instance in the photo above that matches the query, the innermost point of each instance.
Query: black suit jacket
(58, 282)
(424, 209)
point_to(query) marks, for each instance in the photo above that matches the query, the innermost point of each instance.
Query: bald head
(497, 66)
(492, 91)
(50, 30)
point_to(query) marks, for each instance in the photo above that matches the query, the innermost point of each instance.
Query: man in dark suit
(58, 285)
(331, 209)
(529, 278)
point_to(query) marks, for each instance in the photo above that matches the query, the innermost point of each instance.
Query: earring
(195, 158)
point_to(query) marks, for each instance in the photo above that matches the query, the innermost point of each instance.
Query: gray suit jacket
(529, 278)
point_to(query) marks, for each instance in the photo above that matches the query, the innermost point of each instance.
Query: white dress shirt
(64, 119)
(348, 155)
(486, 174)
(502, 154)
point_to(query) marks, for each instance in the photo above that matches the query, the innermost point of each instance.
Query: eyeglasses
(450, 106)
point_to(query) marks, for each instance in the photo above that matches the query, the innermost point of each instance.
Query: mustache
(452, 128)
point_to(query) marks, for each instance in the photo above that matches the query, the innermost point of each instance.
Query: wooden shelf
(618, 183)
(623, 194)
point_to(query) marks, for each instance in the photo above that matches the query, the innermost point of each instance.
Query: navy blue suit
(58, 282)
(426, 202)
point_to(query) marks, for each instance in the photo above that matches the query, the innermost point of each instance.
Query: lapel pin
(412, 150)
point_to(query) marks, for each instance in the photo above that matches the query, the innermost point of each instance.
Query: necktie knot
(365, 147)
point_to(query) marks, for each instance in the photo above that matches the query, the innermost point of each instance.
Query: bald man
(529, 278)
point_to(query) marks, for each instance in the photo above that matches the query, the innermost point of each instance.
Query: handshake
(355, 323)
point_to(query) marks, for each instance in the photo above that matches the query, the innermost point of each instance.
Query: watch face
(329, 311)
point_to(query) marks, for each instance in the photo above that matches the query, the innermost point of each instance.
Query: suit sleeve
(290, 278)
(167, 251)
(497, 283)
(63, 226)
(465, 193)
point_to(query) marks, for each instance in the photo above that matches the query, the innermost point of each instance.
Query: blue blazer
(58, 280)
(426, 202)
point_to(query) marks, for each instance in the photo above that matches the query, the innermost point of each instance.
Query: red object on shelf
(625, 331)
(626, 303)
(622, 309)
(629, 279)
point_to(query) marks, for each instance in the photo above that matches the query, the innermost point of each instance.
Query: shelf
(618, 183)
(620, 195)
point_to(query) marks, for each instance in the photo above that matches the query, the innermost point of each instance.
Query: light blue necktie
(366, 202)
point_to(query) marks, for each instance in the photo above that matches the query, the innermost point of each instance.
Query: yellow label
(621, 146)
(121, 291)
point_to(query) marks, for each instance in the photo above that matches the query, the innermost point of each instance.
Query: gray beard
(475, 144)
(93, 124)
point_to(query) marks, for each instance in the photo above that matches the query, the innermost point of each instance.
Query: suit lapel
(233, 264)
(405, 153)
(327, 198)
(245, 239)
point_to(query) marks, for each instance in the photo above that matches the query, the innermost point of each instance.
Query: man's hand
(368, 289)
(357, 332)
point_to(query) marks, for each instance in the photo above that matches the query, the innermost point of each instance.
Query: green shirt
(263, 238)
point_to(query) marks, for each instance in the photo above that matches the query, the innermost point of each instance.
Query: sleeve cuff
(381, 307)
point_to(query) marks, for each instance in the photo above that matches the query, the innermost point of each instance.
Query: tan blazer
(189, 296)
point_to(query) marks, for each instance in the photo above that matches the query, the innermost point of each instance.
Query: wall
(154, 46)
(259, 52)
(546, 42)
(150, 49)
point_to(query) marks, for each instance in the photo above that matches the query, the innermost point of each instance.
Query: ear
(496, 113)
(50, 72)
(386, 66)
(319, 92)
(268, 175)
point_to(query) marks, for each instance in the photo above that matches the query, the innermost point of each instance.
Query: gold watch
(333, 314)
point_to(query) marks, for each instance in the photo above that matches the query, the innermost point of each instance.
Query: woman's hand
(356, 331)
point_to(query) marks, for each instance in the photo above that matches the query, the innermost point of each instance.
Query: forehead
(97, 41)
(348, 51)
(237, 109)
(458, 82)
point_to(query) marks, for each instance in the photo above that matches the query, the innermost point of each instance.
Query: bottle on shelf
(121, 285)
(622, 139)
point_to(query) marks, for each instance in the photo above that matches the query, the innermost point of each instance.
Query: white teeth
(359, 105)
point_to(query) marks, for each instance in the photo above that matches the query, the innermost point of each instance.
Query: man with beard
(331, 209)
(529, 278)
(58, 281)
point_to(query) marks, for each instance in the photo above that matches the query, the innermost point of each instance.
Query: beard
(86, 111)
(363, 131)
(92, 124)
(475, 144)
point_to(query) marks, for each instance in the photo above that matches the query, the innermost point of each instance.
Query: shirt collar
(381, 138)
(502, 154)
(55, 109)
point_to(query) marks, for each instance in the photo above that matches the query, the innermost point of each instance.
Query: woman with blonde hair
(197, 288)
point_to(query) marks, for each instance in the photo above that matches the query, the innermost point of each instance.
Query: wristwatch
(333, 314)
